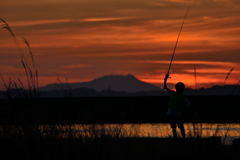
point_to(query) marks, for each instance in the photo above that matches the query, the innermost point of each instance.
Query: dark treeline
(211, 109)
(89, 92)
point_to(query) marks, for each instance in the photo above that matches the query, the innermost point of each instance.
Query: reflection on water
(231, 131)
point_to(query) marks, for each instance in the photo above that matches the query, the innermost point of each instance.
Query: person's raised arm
(165, 82)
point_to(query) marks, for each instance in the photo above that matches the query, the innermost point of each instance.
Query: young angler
(178, 102)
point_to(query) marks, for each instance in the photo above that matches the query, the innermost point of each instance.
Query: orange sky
(86, 39)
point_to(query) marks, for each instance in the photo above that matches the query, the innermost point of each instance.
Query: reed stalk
(6, 87)
(228, 75)
(195, 76)
(31, 74)
(217, 129)
(225, 136)
(235, 87)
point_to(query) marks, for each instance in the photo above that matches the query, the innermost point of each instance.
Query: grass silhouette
(31, 73)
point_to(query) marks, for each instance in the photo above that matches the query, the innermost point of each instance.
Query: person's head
(179, 87)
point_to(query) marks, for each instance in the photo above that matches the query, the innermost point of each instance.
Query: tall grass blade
(30, 51)
(69, 94)
(17, 88)
(6, 26)
(37, 82)
(23, 59)
(225, 136)
(235, 87)
(7, 88)
(195, 76)
(32, 78)
(228, 75)
(27, 76)
(4, 83)
(21, 84)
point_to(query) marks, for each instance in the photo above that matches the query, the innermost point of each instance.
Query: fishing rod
(177, 41)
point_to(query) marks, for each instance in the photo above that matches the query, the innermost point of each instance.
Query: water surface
(161, 130)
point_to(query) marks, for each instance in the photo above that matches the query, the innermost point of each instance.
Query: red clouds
(88, 39)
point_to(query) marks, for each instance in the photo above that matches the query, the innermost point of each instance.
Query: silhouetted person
(178, 102)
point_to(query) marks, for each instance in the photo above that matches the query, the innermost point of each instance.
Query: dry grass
(228, 75)
(31, 73)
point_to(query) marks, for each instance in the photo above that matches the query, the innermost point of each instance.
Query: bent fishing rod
(177, 42)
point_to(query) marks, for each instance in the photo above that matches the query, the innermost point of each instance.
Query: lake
(161, 130)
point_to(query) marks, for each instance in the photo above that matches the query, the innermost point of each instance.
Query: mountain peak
(127, 83)
(131, 76)
(128, 75)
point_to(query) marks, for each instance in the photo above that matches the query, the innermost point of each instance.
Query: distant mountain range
(117, 83)
(215, 90)
(117, 86)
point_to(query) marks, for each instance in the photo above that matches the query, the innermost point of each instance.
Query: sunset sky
(86, 39)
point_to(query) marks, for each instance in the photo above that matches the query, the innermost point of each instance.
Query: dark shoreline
(211, 109)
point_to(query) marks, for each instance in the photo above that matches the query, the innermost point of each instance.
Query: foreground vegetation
(116, 148)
